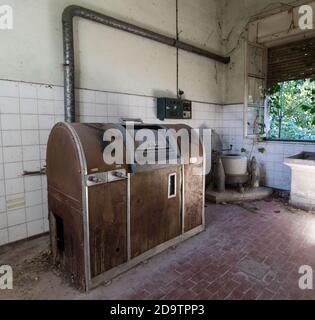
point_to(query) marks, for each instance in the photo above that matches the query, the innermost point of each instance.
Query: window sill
(290, 141)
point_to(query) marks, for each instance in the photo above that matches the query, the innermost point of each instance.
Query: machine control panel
(105, 177)
(117, 175)
(168, 108)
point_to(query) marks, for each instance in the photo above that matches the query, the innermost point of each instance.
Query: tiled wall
(28, 112)
(276, 174)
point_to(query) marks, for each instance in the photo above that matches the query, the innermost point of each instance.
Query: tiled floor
(205, 267)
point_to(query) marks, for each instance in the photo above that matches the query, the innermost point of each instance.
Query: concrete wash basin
(303, 180)
(234, 164)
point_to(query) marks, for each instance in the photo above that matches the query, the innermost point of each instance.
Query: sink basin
(234, 164)
(302, 182)
(304, 158)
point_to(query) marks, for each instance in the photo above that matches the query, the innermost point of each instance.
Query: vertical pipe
(177, 52)
(69, 69)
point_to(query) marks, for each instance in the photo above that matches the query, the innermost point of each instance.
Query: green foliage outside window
(292, 110)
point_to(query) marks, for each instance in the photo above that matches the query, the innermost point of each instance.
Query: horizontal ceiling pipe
(77, 11)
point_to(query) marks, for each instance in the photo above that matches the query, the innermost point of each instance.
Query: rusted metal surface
(154, 218)
(91, 138)
(71, 257)
(65, 201)
(69, 66)
(105, 227)
(108, 226)
(192, 186)
(64, 175)
(193, 204)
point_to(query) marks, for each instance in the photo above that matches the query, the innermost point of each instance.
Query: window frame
(266, 102)
(286, 140)
(248, 76)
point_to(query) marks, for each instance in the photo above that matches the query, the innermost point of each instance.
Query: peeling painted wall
(112, 60)
(235, 16)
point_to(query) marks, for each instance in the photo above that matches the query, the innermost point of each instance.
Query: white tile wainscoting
(28, 112)
(276, 174)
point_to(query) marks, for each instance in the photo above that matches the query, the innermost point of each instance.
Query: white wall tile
(44, 195)
(16, 217)
(15, 202)
(45, 92)
(101, 110)
(45, 210)
(17, 233)
(3, 207)
(277, 176)
(58, 93)
(14, 186)
(59, 118)
(9, 105)
(123, 99)
(85, 95)
(33, 198)
(112, 99)
(10, 122)
(28, 90)
(46, 122)
(43, 151)
(3, 221)
(150, 112)
(32, 183)
(46, 107)
(28, 106)
(101, 97)
(35, 227)
(86, 109)
(4, 237)
(13, 170)
(31, 153)
(46, 225)
(101, 119)
(12, 154)
(29, 122)
(1, 172)
(34, 213)
(30, 137)
(11, 138)
(113, 110)
(44, 181)
(31, 165)
(43, 136)
(59, 108)
(9, 89)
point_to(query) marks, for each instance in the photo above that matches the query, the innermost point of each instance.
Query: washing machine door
(155, 207)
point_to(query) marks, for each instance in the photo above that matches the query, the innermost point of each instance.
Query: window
(172, 186)
(292, 110)
(255, 84)
(291, 93)
(280, 91)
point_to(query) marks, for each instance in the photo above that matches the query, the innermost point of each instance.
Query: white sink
(303, 180)
(234, 164)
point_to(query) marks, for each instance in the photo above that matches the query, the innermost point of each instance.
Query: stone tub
(303, 180)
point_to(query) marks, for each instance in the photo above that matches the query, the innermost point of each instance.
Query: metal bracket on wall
(77, 11)
(41, 172)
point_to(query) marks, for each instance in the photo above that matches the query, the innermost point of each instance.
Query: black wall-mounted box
(168, 108)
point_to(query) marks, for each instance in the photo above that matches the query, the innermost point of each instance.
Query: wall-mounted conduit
(77, 11)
